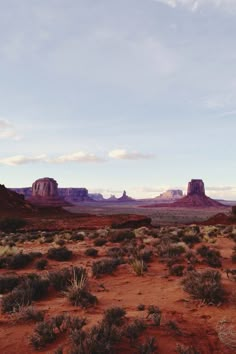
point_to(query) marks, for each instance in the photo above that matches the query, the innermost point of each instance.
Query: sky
(111, 95)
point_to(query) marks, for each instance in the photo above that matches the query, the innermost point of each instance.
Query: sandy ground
(197, 322)
(159, 215)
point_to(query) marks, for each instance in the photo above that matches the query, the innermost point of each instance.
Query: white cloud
(195, 4)
(7, 130)
(122, 154)
(21, 160)
(79, 156)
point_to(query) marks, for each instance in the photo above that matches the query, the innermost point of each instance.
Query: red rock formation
(195, 198)
(196, 186)
(125, 198)
(45, 193)
(45, 187)
(12, 203)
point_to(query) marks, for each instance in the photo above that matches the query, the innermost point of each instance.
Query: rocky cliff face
(196, 187)
(45, 188)
(74, 195)
(13, 203)
(45, 193)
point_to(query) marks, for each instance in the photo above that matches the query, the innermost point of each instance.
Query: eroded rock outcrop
(45, 188)
(125, 198)
(196, 196)
(45, 193)
(196, 186)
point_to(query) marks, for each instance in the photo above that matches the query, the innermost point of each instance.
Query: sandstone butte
(195, 198)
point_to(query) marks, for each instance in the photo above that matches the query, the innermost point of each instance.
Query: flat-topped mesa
(45, 187)
(196, 186)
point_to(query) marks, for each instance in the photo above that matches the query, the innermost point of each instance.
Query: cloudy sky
(111, 95)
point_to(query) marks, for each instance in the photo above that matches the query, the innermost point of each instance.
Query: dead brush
(138, 266)
(77, 292)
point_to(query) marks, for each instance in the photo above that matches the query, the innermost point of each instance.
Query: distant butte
(195, 198)
(125, 198)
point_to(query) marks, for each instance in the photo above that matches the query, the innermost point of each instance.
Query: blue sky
(111, 95)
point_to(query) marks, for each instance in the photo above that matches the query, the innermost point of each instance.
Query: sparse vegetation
(205, 286)
(41, 264)
(104, 266)
(59, 254)
(91, 252)
(12, 224)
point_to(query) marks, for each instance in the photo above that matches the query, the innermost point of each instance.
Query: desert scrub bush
(47, 331)
(30, 288)
(79, 236)
(177, 270)
(59, 254)
(99, 242)
(148, 347)
(182, 349)
(155, 314)
(29, 313)
(114, 316)
(134, 329)
(8, 282)
(172, 325)
(115, 252)
(168, 250)
(60, 242)
(77, 292)
(41, 264)
(101, 338)
(191, 239)
(91, 252)
(211, 257)
(138, 266)
(227, 333)
(205, 286)
(7, 250)
(18, 261)
(12, 224)
(119, 236)
(62, 278)
(141, 307)
(233, 257)
(44, 333)
(104, 266)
